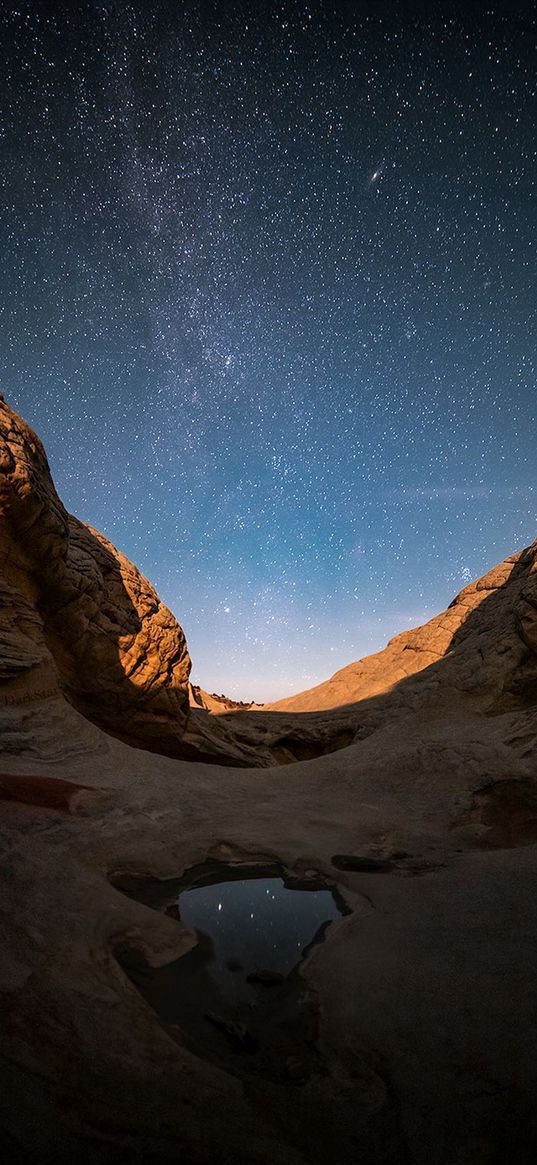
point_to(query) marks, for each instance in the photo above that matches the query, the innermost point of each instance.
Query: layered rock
(482, 648)
(78, 621)
(78, 617)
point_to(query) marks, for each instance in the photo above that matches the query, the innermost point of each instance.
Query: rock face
(78, 622)
(483, 648)
(77, 616)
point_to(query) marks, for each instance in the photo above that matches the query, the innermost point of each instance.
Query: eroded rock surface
(484, 647)
(79, 622)
(77, 616)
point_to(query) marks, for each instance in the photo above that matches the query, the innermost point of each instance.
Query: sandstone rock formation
(77, 615)
(217, 704)
(412, 793)
(79, 622)
(482, 648)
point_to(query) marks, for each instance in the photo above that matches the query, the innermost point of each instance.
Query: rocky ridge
(483, 648)
(79, 623)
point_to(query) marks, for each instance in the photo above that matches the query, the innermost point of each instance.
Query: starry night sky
(267, 292)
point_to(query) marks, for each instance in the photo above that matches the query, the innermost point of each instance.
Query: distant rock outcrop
(482, 648)
(204, 701)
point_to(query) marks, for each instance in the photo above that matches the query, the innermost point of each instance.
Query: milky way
(267, 289)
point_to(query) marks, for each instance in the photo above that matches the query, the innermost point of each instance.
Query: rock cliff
(78, 622)
(482, 648)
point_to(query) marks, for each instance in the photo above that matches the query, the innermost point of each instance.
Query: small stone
(265, 978)
(172, 911)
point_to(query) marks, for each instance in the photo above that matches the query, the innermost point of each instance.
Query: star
(248, 350)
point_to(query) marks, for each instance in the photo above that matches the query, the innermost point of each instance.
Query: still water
(237, 997)
(255, 925)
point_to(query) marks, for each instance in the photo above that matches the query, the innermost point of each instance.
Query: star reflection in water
(254, 924)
